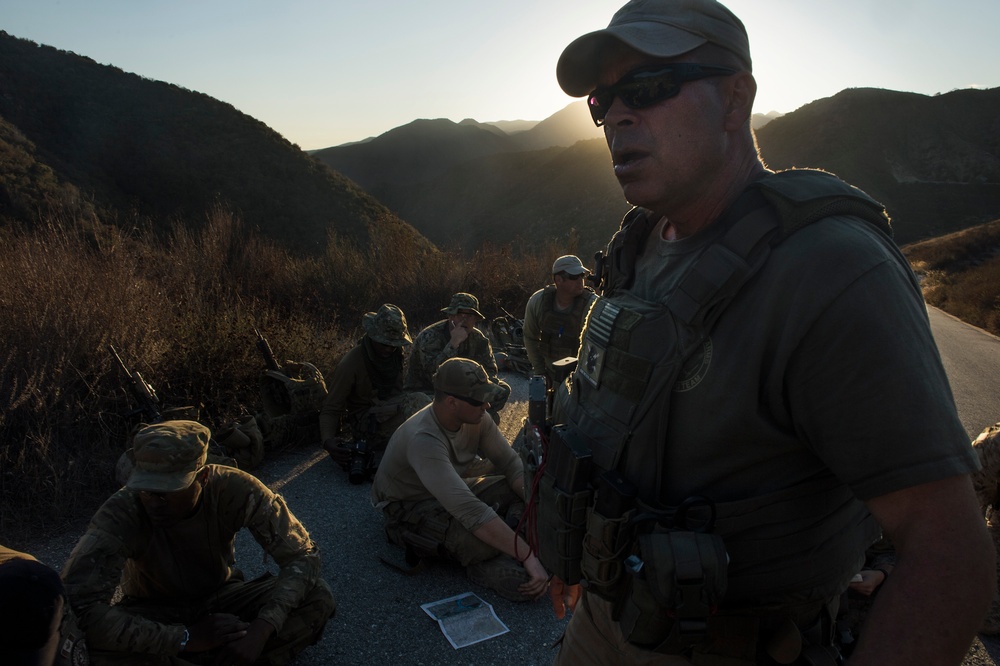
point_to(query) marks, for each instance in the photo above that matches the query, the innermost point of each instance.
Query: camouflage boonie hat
(465, 378)
(168, 456)
(463, 301)
(387, 326)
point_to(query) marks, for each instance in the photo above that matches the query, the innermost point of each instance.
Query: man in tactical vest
(167, 539)
(433, 509)
(553, 318)
(456, 336)
(365, 400)
(757, 386)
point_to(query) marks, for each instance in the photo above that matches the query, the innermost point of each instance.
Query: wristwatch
(184, 639)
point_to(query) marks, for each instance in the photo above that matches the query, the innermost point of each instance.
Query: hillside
(141, 149)
(932, 160)
(960, 273)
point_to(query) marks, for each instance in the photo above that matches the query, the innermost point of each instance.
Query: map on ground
(465, 619)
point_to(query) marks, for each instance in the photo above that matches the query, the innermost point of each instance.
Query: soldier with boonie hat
(166, 538)
(168, 456)
(455, 336)
(387, 326)
(365, 400)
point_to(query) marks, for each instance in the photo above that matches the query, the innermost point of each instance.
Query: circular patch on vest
(695, 368)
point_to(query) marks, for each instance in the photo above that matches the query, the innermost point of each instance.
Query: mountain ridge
(910, 151)
(133, 147)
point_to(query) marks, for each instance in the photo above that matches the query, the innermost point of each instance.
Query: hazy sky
(324, 72)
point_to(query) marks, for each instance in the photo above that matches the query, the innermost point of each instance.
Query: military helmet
(387, 326)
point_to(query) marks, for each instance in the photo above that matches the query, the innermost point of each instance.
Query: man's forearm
(930, 608)
(498, 534)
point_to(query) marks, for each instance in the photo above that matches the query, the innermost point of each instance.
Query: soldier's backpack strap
(799, 197)
(615, 267)
(803, 196)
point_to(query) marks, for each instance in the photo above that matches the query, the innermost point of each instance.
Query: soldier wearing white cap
(554, 316)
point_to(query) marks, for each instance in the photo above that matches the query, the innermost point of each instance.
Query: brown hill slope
(960, 273)
(566, 195)
(932, 160)
(139, 147)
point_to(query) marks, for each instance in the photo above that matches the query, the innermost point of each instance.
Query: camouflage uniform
(173, 576)
(433, 347)
(986, 483)
(366, 387)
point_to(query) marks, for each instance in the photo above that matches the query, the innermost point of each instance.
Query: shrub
(182, 312)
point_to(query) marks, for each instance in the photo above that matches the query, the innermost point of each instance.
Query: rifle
(509, 315)
(142, 391)
(265, 351)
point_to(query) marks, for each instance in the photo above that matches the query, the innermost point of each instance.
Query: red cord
(529, 519)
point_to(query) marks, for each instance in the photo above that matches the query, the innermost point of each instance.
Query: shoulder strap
(803, 196)
(548, 298)
(798, 197)
(615, 267)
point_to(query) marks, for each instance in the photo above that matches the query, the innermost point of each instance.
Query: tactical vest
(667, 568)
(559, 332)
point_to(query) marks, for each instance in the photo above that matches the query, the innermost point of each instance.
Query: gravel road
(379, 619)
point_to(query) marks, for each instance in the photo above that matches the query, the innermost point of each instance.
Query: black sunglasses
(567, 276)
(648, 85)
(471, 401)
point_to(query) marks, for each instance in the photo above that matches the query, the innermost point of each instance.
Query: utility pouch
(564, 497)
(677, 581)
(562, 521)
(610, 533)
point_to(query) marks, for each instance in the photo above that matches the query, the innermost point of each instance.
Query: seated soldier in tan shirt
(429, 507)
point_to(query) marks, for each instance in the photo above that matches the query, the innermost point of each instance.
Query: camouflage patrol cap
(467, 379)
(168, 456)
(387, 326)
(463, 301)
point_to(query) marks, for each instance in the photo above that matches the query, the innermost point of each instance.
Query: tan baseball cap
(658, 28)
(168, 456)
(467, 379)
(569, 263)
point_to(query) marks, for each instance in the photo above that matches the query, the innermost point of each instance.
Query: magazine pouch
(610, 535)
(677, 579)
(562, 519)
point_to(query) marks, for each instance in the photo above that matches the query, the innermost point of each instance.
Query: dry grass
(961, 274)
(182, 313)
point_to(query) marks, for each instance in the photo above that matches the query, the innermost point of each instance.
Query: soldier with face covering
(365, 399)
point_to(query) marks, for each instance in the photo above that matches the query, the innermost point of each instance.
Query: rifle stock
(265, 351)
(142, 391)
